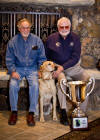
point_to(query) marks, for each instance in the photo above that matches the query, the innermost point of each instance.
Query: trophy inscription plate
(80, 123)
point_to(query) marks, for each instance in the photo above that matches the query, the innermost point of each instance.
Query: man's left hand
(58, 71)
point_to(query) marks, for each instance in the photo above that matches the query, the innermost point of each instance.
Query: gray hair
(64, 19)
(23, 20)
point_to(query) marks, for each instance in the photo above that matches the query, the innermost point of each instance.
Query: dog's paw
(55, 119)
(42, 120)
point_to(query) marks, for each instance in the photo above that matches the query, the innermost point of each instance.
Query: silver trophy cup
(77, 94)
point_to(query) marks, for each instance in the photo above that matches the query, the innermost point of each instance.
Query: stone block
(88, 61)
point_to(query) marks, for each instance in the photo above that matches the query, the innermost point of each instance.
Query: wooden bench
(4, 80)
(23, 101)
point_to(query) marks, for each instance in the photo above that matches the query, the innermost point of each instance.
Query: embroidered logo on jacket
(58, 44)
(71, 43)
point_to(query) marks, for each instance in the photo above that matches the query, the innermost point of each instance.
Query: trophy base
(79, 123)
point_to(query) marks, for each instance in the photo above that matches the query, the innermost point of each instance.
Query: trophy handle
(91, 81)
(63, 82)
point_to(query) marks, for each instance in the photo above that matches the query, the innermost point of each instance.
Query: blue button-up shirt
(63, 52)
(21, 53)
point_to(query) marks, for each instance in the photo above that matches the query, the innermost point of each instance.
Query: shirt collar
(22, 37)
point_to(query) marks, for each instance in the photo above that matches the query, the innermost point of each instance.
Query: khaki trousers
(76, 73)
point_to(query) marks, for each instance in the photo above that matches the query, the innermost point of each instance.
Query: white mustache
(64, 33)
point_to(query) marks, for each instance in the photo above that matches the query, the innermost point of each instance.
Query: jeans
(32, 77)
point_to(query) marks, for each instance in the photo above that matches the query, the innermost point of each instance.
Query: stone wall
(86, 22)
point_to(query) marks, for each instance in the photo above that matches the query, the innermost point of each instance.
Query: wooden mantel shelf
(53, 2)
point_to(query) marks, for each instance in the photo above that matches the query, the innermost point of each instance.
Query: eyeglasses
(64, 27)
(23, 28)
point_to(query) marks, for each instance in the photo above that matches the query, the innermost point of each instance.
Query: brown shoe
(13, 118)
(30, 119)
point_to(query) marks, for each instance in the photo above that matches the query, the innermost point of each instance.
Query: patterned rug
(93, 133)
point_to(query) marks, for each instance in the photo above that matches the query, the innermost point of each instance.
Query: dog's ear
(40, 71)
(41, 68)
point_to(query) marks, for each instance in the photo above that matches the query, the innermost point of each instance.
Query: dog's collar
(46, 79)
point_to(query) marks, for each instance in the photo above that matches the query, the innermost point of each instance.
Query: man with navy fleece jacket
(64, 48)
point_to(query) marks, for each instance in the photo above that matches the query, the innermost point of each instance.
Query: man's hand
(58, 71)
(15, 75)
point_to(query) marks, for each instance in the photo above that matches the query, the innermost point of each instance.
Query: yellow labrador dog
(47, 88)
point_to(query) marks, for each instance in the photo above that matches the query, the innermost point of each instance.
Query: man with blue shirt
(64, 48)
(25, 53)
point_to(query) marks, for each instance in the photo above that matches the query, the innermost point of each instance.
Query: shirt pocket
(33, 54)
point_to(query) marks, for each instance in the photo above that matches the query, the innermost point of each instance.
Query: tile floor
(42, 131)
